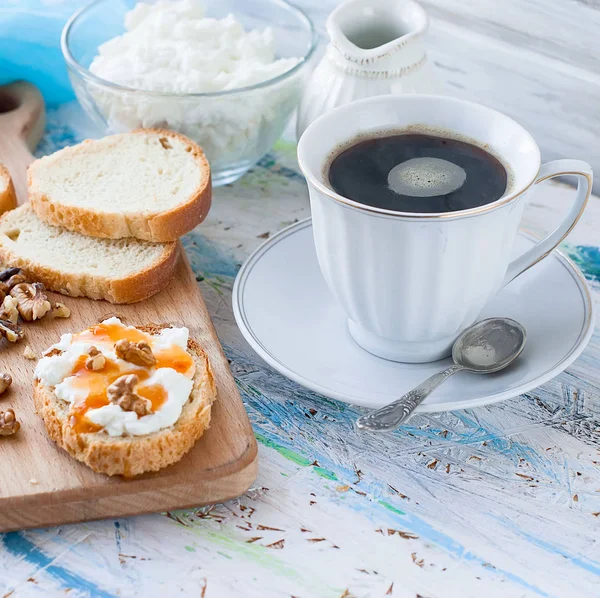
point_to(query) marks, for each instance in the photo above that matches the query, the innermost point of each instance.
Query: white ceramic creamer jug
(376, 48)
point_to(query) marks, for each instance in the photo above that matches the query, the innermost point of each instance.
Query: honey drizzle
(112, 333)
(174, 357)
(155, 393)
(96, 383)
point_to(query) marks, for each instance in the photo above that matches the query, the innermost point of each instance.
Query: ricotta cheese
(172, 47)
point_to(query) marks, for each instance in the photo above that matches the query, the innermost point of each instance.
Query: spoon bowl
(490, 345)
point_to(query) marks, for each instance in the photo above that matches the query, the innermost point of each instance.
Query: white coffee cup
(411, 282)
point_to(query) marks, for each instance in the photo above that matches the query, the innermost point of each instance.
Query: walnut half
(32, 300)
(8, 423)
(121, 393)
(137, 353)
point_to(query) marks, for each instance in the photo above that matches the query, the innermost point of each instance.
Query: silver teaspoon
(486, 347)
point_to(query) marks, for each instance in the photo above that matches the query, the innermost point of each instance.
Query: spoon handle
(394, 414)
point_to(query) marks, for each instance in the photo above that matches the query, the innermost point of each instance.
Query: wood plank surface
(42, 485)
(537, 61)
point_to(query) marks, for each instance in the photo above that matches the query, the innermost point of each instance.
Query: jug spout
(369, 31)
(376, 47)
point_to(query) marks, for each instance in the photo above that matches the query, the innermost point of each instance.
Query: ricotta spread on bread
(165, 386)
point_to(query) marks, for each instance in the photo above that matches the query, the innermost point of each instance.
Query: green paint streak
(214, 284)
(190, 548)
(390, 507)
(283, 451)
(326, 473)
(259, 555)
(225, 555)
(296, 457)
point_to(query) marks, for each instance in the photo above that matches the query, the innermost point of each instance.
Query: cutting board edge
(156, 481)
(114, 506)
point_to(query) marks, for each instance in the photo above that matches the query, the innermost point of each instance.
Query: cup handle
(583, 172)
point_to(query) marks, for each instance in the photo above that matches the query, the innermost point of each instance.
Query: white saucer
(289, 317)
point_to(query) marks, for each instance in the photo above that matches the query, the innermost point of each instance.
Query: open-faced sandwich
(125, 400)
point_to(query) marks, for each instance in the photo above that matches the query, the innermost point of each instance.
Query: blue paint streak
(587, 258)
(427, 532)
(582, 562)
(208, 259)
(474, 431)
(505, 446)
(18, 545)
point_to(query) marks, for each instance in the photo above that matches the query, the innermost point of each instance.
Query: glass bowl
(235, 128)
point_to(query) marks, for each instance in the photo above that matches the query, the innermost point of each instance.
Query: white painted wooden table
(500, 501)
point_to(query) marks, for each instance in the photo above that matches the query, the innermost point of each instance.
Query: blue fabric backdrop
(30, 45)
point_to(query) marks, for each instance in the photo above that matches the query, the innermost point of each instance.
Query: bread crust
(160, 227)
(131, 289)
(130, 456)
(8, 195)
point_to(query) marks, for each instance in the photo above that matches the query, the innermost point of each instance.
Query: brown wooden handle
(22, 121)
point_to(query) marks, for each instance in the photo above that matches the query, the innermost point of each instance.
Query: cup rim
(87, 75)
(317, 182)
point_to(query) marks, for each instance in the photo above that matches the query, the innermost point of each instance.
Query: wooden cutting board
(40, 484)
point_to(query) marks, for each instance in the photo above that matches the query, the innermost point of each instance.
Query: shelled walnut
(121, 393)
(96, 361)
(32, 300)
(11, 277)
(60, 310)
(137, 353)
(8, 423)
(9, 309)
(12, 332)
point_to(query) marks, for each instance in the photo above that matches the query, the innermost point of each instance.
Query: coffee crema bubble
(417, 172)
(426, 177)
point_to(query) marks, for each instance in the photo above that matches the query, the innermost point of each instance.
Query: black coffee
(415, 172)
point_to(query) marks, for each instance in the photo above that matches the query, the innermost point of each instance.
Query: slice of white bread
(8, 197)
(150, 184)
(119, 271)
(132, 455)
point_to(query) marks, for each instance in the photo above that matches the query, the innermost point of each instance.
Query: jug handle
(549, 170)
